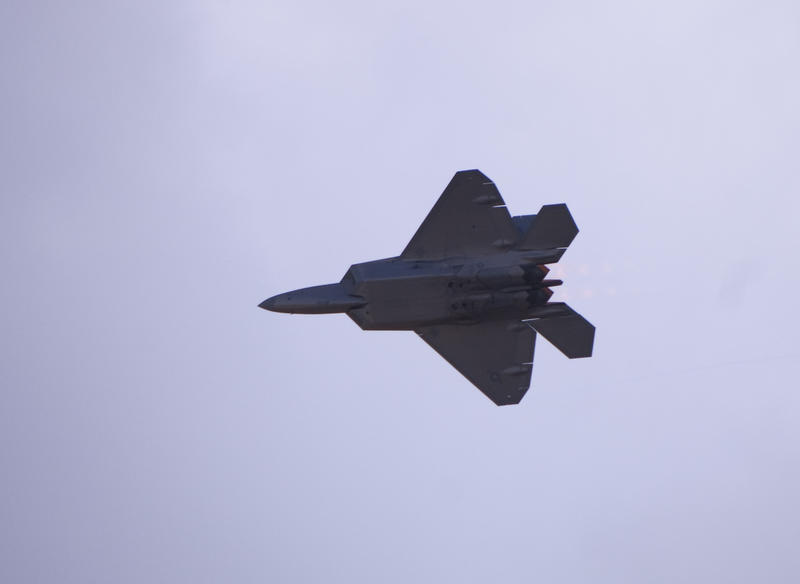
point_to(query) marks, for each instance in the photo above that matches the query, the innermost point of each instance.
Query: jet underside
(472, 283)
(408, 294)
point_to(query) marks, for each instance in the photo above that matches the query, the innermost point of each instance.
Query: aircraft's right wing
(496, 356)
(469, 219)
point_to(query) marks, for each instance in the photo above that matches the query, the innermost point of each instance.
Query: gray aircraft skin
(471, 283)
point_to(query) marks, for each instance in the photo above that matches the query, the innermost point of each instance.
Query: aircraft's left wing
(496, 356)
(469, 219)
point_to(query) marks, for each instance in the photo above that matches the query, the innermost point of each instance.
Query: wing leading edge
(468, 219)
(496, 356)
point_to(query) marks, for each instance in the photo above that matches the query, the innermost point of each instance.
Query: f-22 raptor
(472, 283)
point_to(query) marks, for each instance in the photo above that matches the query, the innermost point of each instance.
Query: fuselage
(401, 294)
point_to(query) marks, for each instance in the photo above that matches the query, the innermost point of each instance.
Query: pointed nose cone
(269, 303)
(325, 299)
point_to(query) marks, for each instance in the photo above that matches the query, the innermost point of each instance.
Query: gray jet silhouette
(472, 283)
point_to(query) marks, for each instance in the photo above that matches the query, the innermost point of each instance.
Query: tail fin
(551, 227)
(571, 334)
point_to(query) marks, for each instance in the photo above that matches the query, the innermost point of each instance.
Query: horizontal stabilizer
(569, 332)
(551, 227)
(523, 222)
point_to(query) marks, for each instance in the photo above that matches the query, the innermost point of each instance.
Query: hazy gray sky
(167, 166)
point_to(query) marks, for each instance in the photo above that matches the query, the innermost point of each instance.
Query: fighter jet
(472, 283)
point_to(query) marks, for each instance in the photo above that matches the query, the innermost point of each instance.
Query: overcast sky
(165, 166)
